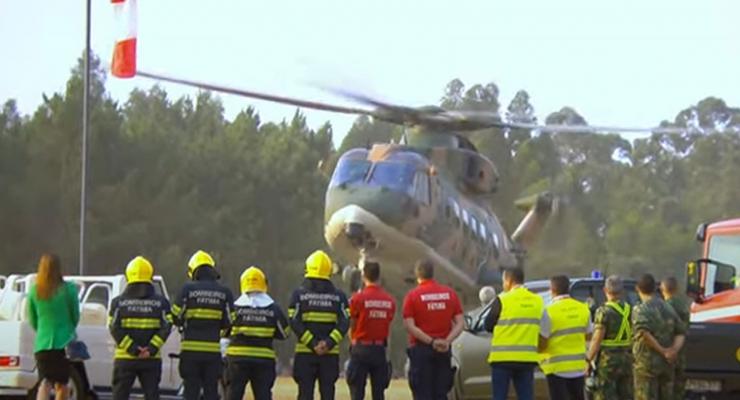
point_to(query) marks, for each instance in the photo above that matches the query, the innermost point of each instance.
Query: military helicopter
(427, 196)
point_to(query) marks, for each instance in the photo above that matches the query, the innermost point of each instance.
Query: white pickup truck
(18, 375)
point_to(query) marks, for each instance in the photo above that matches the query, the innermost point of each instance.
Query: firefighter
(256, 321)
(432, 315)
(371, 311)
(202, 312)
(139, 322)
(319, 317)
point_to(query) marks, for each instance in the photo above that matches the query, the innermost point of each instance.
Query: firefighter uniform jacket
(139, 318)
(318, 311)
(202, 311)
(256, 321)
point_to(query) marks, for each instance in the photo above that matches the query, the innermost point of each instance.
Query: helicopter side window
(456, 208)
(349, 171)
(396, 176)
(422, 188)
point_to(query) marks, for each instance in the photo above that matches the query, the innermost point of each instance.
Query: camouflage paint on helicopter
(426, 198)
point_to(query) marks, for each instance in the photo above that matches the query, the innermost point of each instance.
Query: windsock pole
(85, 129)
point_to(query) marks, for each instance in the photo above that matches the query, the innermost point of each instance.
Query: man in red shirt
(371, 312)
(433, 317)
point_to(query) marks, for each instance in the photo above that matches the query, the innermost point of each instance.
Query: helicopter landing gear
(351, 275)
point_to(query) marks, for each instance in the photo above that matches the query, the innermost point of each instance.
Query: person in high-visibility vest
(565, 326)
(140, 322)
(514, 319)
(611, 344)
(256, 321)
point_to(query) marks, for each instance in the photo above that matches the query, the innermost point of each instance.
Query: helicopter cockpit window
(397, 176)
(350, 170)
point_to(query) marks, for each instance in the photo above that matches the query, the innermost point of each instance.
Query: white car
(18, 374)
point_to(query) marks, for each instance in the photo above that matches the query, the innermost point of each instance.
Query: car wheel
(75, 386)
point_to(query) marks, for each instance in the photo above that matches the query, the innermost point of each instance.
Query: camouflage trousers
(679, 380)
(655, 386)
(614, 376)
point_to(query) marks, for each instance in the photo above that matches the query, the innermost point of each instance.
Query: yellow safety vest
(624, 335)
(566, 346)
(517, 331)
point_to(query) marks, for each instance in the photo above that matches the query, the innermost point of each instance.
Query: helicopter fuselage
(394, 205)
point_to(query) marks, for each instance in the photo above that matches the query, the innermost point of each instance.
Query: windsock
(124, 52)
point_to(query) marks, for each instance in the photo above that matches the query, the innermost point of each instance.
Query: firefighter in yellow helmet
(140, 323)
(319, 315)
(202, 312)
(256, 321)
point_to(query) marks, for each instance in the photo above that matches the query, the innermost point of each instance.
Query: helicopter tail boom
(539, 207)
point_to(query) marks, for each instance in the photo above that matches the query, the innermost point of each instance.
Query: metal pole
(85, 123)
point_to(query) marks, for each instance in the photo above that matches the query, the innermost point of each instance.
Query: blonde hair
(49, 276)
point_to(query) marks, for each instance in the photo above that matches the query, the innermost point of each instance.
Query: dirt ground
(286, 389)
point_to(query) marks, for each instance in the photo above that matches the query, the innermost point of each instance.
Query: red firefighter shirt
(433, 308)
(372, 309)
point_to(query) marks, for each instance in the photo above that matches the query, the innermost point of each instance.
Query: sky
(630, 63)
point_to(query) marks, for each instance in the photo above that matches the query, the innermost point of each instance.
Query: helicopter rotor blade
(431, 117)
(258, 95)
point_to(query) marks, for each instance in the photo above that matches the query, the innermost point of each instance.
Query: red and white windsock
(124, 52)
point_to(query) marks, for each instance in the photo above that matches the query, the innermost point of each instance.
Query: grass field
(286, 389)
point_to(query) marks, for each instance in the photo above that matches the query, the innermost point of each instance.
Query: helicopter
(425, 197)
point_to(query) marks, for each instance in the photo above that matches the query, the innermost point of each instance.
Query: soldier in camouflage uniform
(658, 335)
(610, 347)
(681, 305)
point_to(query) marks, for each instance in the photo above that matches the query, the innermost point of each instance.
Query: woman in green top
(53, 312)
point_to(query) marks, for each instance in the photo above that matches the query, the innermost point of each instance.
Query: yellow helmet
(253, 280)
(198, 259)
(139, 270)
(318, 265)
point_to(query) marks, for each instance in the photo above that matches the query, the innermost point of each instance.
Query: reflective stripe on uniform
(569, 331)
(291, 312)
(319, 316)
(624, 335)
(201, 346)
(250, 351)
(519, 321)
(176, 309)
(306, 337)
(156, 341)
(566, 346)
(126, 342)
(517, 331)
(203, 313)
(140, 323)
(513, 348)
(120, 354)
(302, 348)
(336, 336)
(253, 331)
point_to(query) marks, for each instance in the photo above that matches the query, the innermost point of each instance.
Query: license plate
(701, 385)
